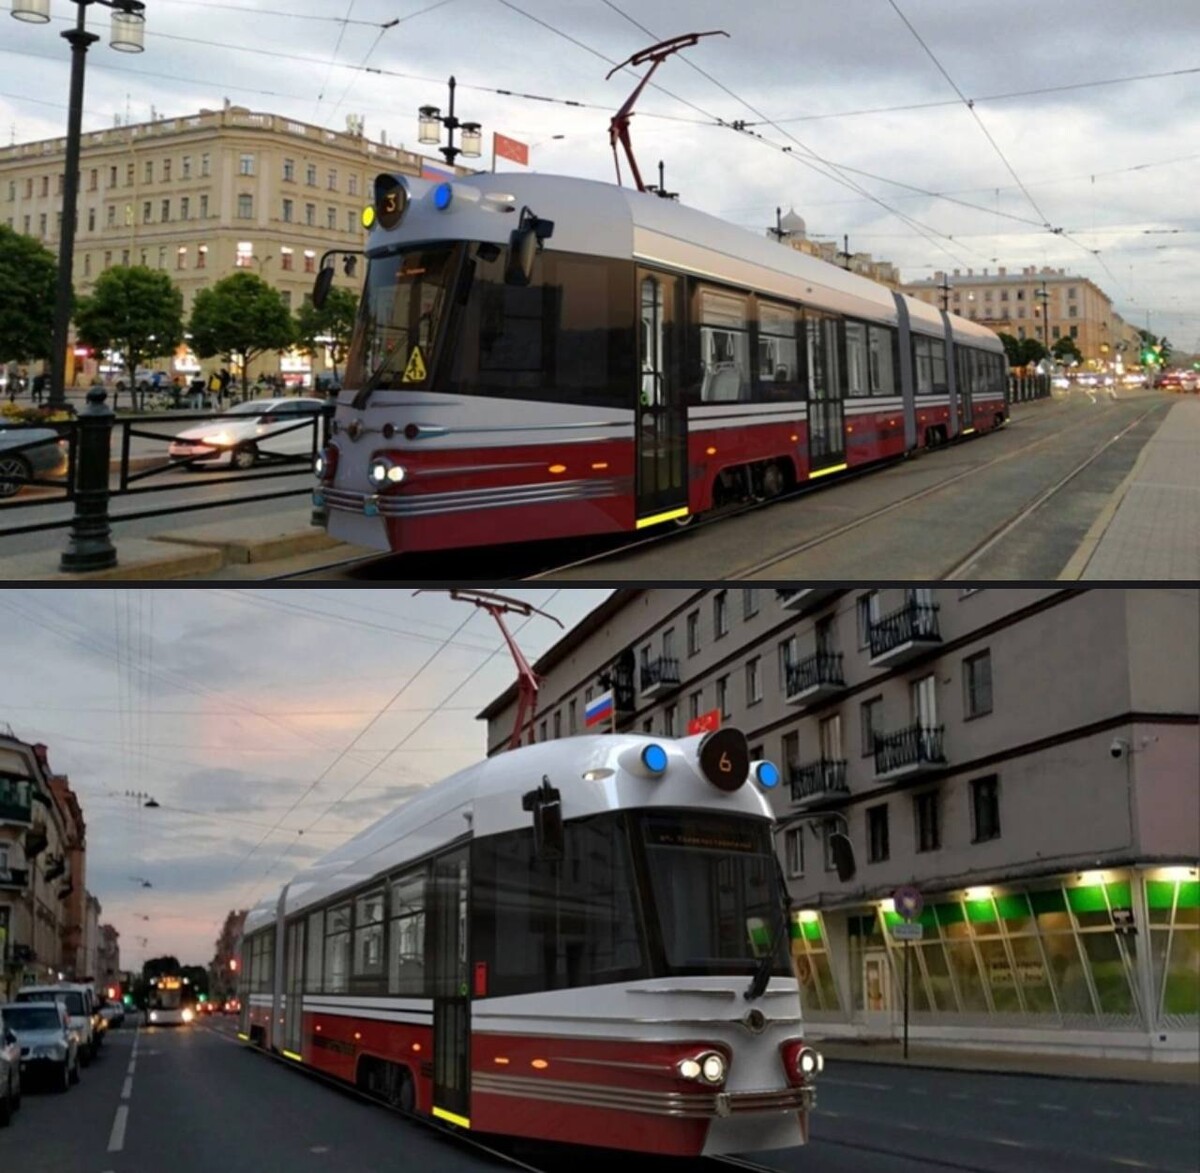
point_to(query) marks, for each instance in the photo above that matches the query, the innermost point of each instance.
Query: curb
(1087, 1077)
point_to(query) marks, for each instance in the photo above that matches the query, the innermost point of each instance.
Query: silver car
(10, 1071)
(27, 452)
(49, 1045)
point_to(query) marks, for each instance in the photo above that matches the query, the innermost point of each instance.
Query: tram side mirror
(322, 286)
(842, 851)
(549, 840)
(524, 244)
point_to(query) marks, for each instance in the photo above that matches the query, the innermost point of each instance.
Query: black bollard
(89, 546)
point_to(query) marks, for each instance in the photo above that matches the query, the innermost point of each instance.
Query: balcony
(659, 677)
(908, 752)
(815, 678)
(15, 802)
(824, 778)
(904, 634)
(14, 877)
(802, 600)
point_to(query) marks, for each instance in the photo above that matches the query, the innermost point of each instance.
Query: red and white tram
(539, 356)
(580, 941)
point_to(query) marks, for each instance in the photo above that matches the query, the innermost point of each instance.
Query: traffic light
(203, 997)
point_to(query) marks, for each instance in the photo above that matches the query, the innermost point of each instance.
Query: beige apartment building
(1026, 759)
(202, 196)
(793, 232)
(1011, 303)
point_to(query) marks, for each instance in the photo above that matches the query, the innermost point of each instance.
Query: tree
(241, 315)
(28, 273)
(1012, 349)
(330, 326)
(134, 310)
(1065, 348)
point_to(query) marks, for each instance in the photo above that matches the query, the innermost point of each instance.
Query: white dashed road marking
(127, 1088)
(116, 1138)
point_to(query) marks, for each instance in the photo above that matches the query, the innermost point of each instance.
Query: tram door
(662, 484)
(826, 423)
(451, 1007)
(293, 986)
(966, 421)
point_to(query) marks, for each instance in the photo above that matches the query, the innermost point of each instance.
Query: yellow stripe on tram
(670, 515)
(293, 1055)
(824, 472)
(461, 1121)
(967, 431)
(245, 1038)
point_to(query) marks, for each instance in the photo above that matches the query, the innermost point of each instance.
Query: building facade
(793, 232)
(1012, 303)
(1026, 759)
(108, 957)
(72, 893)
(202, 196)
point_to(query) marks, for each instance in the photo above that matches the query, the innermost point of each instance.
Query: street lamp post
(128, 32)
(1043, 295)
(431, 118)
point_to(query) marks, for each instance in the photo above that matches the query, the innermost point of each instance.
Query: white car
(262, 427)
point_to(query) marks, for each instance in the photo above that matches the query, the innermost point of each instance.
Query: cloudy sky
(249, 716)
(878, 88)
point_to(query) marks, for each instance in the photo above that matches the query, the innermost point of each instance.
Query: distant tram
(601, 959)
(538, 356)
(166, 1007)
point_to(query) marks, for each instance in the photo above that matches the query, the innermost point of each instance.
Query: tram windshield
(399, 317)
(715, 889)
(166, 996)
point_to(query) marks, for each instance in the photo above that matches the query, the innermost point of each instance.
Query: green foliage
(1021, 352)
(27, 278)
(1065, 349)
(133, 310)
(240, 316)
(334, 320)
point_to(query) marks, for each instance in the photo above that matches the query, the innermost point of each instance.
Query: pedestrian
(39, 388)
(225, 379)
(196, 401)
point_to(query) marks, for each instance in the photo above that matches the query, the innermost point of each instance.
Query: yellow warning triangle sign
(415, 371)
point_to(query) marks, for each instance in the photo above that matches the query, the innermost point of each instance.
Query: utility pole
(845, 253)
(945, 287)
(777, 231)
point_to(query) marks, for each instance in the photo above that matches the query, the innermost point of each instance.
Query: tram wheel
(685, 521)
(774, 481)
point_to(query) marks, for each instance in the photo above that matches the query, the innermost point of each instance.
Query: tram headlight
(808, 1062)
(153, 1015)
(384, 471)
(712, 1067)
(325, 464)
(188, 1015)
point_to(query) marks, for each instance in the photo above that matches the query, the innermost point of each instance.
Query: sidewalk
(889, 1053)
(1150, 528)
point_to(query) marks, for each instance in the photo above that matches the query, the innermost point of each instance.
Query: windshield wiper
(762, 975)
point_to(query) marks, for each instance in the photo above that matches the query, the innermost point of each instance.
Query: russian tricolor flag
(600, 709)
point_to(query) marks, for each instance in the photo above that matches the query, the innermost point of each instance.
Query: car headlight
(153, 1015)
(218, 439)
(385, 471)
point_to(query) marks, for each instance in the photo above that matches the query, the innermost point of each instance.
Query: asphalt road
(193, 1100)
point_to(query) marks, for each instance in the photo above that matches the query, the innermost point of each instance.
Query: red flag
(509, 148)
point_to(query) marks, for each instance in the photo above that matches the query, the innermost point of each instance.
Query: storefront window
(810, 959)
(1174, 909)
(966, 975)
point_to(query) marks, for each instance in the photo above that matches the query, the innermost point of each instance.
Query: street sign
(908, 902)
(907, 932)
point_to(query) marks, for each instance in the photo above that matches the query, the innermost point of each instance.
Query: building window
(285, 257)
(204, 207)
(545, 734)
(694, 702)
(977, 684)
(877, 833)
(166, 169)
(149, 171)
(723, 695)
(572, 722)
(753, 682)
(26, 228)
(246, 165)
(670, 715)
(331, 219)
(720, 614)
(93, 179)
(146, 212)
(353, 189)
(927, 810)
(557, 725)
(668, 644)
(112, 177)
(648, 725)
(310, 175)
(829, 738)
(289, 170)
(245, 254)
(107, 258)
(245, 207)
(871, 723)
(181, 257)
(1074, 331)
(204, 165)
(87, 272)
(201, 256)
(310, 215)
(985, 806)
(125, 256)
(162, 257)
(794, 850)
(351, 221)
(166, 210)
(310, 261)
(332, 179)
(91, 219)
(286, 294)
(868, 613)
(287, 211)
(789, 657)
(749, 602)
(186, 167)
(185, 207)
(693, 633)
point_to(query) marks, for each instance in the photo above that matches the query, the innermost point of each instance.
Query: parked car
(276, 427)
(79, 1001)
(113, 1013)
(48, 1044)
(42, 452)
(10, 1070)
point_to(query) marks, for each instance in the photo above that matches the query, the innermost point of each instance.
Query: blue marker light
(442, 195)
(768, 775)
(654, 758)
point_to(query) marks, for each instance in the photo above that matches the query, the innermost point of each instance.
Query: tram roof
(486, 799)
(602, 219)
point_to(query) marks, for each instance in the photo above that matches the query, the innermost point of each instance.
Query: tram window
(316, 944)
(337, 949)
(724, 348)
(778, 354)
(545, 927)
(368, 934)
(406, 935)
(923, 349)
(856, 359)
(937, 354)
(881, 341)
